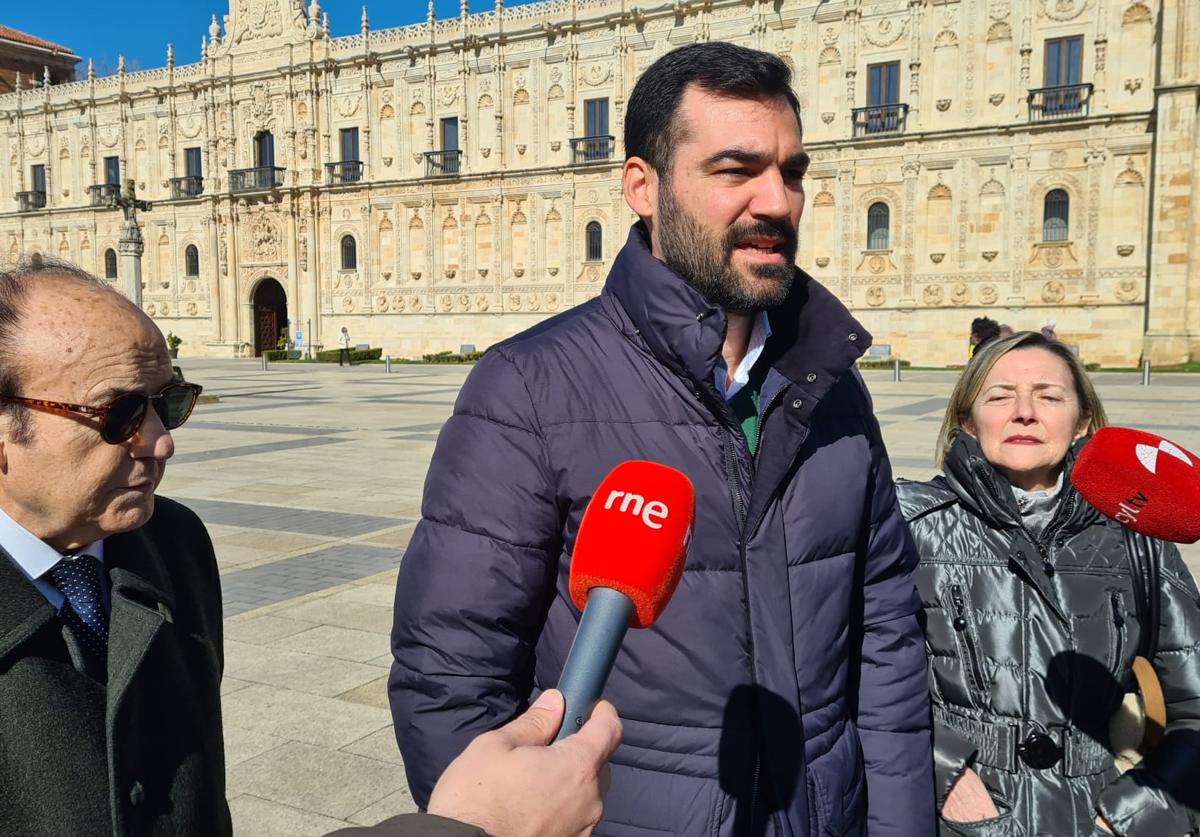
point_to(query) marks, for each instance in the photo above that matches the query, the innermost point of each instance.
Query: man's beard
(705, 261)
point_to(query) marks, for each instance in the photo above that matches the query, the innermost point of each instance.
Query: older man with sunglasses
(110, 604)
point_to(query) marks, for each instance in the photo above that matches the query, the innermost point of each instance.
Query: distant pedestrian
(344, 348)
(983, 330)
(1048, 330)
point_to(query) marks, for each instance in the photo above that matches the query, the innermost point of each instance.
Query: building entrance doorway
(270, 315)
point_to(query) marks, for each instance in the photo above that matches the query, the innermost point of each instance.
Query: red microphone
(628, 559)
(1144, 482)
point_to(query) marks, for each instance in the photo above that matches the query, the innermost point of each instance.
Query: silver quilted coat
(1031, 636)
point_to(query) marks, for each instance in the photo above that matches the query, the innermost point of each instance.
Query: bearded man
(783, 690)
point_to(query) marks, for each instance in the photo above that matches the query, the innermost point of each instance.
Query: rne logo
(636, 504)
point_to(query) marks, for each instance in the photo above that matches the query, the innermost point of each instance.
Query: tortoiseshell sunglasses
(121, 419)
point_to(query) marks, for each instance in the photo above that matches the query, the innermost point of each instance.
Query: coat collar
(814, 338)
(985, 491)
(23, 609)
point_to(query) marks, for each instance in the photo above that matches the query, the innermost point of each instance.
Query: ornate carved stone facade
(417, 247)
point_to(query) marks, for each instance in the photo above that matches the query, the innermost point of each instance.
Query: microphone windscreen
(634, 537)
(1144, 482)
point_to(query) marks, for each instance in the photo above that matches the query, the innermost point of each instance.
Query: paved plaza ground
(309, 479)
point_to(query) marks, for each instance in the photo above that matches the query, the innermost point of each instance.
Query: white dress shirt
(35, 558)
(741, 376)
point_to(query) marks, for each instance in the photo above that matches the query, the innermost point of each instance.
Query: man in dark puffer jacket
(783, 689)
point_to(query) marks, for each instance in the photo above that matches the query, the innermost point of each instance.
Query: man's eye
(735, 172)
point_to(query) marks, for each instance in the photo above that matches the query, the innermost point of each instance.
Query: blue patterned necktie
(78, 578)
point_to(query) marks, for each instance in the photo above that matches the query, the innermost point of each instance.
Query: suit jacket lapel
(142, 602)
(23, 609)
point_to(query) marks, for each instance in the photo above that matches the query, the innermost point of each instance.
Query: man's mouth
(762, 245)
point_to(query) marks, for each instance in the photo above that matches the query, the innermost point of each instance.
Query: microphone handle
(597, 641)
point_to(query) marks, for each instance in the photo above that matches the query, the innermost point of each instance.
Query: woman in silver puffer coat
(1034, 613)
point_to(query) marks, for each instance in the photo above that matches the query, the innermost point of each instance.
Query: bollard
(264, 360)
(896, 371)
(1145, 373)
(387, 365)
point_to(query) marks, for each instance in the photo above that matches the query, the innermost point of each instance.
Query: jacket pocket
(1117, 633)
(967, 637)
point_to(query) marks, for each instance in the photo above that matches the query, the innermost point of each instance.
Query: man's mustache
(762, 229)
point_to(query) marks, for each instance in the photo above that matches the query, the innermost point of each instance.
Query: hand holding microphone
(1142, 481)
(628, 559)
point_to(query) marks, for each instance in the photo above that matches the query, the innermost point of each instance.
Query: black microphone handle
(597, 641)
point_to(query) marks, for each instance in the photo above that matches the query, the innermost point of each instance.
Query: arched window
(349, 253)
(878, 235)
(1056, 217)
(595, 241)
(191, 261)
(110, 264)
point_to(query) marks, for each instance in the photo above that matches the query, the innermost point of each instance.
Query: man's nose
(152, 439)
(771, 196)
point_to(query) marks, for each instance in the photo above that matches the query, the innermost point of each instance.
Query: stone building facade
(455, 181)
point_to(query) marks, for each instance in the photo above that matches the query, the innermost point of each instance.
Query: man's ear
(639, 181)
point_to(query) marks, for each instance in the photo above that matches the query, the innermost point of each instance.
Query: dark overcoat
(143, 755)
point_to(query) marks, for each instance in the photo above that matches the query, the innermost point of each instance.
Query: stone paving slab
(309, 538)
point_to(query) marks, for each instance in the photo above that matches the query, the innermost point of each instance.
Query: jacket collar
(985, 491)
(814, 338)
(23, 609)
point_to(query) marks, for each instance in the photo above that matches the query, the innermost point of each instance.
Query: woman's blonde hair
(970, 383)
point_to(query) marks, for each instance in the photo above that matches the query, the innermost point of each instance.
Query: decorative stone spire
(366, 26)
(463, 9)
(430, 18)
(203, 47)
(499, 6)
(314, 13)
(120, 64)
(170, 56)
(45, 76)
(18, 83)
(214, 30)
(325, 22)
(91, 71)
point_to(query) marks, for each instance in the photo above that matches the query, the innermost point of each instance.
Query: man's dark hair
(15, 283)
(652, 129)
(986, 329)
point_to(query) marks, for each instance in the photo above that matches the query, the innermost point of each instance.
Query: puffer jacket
(1035, 635)
(783, 689)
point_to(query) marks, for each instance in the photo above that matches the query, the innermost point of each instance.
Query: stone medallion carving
(347, 106)
(1053, 257)
(192, 309)
(551, 302)
(482, 303)
(348, 304)
(1127, 290)
(933, 294)
(445, 303)
(164, 308)
(1062, 10)
(258, 19)
(152, 310)
(1054, 291)
(885, 33)
(596, 74)
(960, 293)
(877, 264)
(988, 295)
(876, 295)
(381, 304)
(447, 95)
(398, 304)
(416, 303)
(514, 302)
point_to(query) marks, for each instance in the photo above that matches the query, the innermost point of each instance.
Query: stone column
(131, 248)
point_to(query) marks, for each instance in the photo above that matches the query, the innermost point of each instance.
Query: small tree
(174, 341)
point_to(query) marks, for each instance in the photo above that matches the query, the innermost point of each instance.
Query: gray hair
(15, 283)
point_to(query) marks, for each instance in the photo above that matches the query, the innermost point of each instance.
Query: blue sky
(141, 30)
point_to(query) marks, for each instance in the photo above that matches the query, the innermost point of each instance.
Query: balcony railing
(347, 171)
(186, 187)
(102, 192)
(31, 201)
(258, 179)
(880, 120)
(597, 149)
(1064, 102)
(442, 163)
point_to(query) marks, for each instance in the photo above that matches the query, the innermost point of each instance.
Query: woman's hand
(969, 800)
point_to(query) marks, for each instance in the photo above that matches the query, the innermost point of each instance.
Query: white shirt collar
(34, 557)
(741, 376)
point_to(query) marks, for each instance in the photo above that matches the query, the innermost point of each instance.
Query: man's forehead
(712, 118)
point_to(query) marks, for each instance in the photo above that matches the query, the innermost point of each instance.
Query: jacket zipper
(962, 624)
(731, 475)
(1118, 622)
